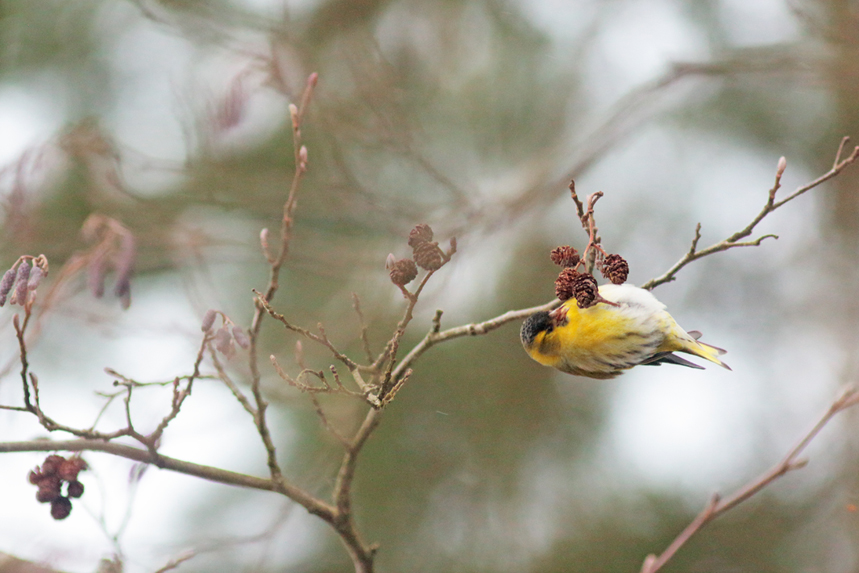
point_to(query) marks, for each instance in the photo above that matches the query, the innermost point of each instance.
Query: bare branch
(179, 397)
(718, 506)
(22, 349)
(356, 304)
(320, 338)
(176, 561)
(228, 382)
(300, 158)
(434, 336)
(771, 205)
(326, 423)
(218, 475)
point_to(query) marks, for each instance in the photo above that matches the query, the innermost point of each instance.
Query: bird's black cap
(537, 322)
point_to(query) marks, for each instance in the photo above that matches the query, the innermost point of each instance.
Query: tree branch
(300, 157)
(717, 506)
(218, 475)
(771, 205)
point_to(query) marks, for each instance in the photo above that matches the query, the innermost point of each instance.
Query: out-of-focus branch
(717, 506)
(210, 473)
(32, 403)
(176, 561)
(365, 341)
(771, 205)
(627, 114)
(300, 157)
(437, 336)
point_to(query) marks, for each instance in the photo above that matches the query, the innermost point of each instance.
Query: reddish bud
(209, 320)
(21, 284)
(6, 284)
(241, 338)
(224, 341)
(35, 278)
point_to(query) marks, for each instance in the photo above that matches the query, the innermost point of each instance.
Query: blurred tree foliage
(470, 115)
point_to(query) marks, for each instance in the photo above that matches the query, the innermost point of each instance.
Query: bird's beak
(559, 316)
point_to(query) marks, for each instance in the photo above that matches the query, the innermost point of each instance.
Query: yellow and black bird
(607, 338)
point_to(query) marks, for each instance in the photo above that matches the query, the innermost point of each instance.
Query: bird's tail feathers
(707, 352)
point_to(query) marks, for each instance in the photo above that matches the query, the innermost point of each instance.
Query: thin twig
(326, 423)
(717, 506)
(365, 341)
(176, 561)
(228, 382)
(771, 205)
(435, 336)
(179, 396)
(393, 345)
(299, 153)
(22, 349)
(320, 338)
(390, 380)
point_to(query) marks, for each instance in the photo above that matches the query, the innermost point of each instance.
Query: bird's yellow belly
(601, 341)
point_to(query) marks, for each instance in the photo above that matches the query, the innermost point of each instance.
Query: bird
(626, 328)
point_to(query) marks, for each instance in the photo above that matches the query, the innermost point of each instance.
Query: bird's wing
(670, 358)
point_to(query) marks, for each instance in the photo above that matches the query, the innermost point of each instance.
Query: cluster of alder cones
(426, 254)
(583, 286)
(55, 472)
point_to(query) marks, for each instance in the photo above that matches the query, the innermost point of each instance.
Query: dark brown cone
(585, 290)
(49, 489)
(428, 256)
(564, 284)
(565, 256)
(52, 464)
(76, 489)
(403, 272)
(420, 234)
(61, 508)
(615, 269)
(46, 495)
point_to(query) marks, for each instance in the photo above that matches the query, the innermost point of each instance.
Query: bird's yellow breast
(600, 329)
(599, 341)
(626, 328)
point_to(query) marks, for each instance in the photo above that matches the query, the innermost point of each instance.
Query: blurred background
(472, 116)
